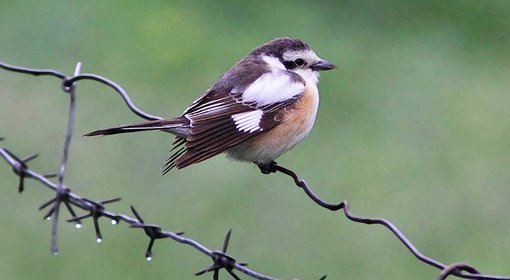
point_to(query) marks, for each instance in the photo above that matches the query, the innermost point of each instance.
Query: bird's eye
(299, 62)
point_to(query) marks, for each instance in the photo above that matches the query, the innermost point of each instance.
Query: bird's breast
(296, 124)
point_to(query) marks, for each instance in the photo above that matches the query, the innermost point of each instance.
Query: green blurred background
(413, 126)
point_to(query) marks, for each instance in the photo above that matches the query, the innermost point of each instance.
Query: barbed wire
(221, 260)
(97, 210)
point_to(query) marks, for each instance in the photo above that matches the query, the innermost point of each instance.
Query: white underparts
(307, 74)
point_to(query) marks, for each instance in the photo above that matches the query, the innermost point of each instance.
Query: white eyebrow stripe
(271, 88)
(307, 55)
(248, 121)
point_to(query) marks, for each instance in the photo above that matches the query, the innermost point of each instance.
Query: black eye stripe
(293, 64)
(299, 62)
(289, 64)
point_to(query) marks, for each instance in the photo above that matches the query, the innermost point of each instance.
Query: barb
(95, 213)
(152, 231)
(19, 167)
(222, 260)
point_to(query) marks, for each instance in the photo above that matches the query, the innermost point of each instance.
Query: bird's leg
(268, 168)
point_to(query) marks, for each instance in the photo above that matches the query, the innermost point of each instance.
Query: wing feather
(223, 117)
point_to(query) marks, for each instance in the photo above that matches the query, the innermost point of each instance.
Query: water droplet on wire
(99, 240)
(149, 258)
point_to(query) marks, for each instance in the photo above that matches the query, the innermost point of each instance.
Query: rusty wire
(221, 260)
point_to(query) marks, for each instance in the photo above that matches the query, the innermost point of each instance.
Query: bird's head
(293, 55)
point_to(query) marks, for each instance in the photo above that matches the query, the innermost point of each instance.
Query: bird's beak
(322, 65)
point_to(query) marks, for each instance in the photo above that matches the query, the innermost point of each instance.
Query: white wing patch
(248, 121)
(273, 87)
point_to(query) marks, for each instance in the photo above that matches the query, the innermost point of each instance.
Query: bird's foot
(268, 168)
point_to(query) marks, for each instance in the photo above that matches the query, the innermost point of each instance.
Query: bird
(259, 109)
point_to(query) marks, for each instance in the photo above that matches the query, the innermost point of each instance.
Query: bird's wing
(221, 118)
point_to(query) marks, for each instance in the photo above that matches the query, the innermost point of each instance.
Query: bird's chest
(296, 124)
(299, 119)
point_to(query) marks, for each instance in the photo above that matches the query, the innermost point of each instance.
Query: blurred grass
(413, 127)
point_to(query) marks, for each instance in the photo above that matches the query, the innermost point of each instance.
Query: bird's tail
(177, 126)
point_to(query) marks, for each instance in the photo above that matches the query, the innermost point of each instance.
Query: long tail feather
(177, 123)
